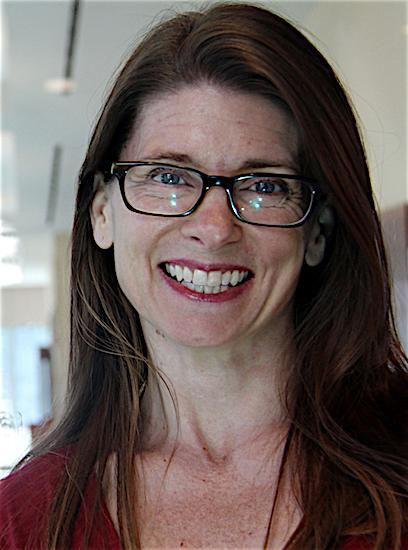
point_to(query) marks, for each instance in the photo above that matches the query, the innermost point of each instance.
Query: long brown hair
(346, 394)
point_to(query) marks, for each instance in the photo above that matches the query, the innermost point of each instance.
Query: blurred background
(57, 61)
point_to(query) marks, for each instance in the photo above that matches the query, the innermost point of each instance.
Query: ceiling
(365, 40)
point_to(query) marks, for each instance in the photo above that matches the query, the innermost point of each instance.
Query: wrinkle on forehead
(213, 120)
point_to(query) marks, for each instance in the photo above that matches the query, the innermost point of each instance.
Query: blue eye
(168, 178)
(265, 186)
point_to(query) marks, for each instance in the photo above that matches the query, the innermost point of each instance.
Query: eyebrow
(248, 164)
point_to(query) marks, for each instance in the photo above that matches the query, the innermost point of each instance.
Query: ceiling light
(60, 86)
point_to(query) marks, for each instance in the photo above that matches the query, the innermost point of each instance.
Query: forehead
(216, 127)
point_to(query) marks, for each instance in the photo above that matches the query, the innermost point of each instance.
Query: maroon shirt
(25, 497)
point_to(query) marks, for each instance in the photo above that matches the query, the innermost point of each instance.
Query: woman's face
(218, 132)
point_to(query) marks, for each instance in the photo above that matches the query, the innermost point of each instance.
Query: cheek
(296, 257)
(131, 244)
(125, 268)
(284, 266)
(137, 241)
(287, 248)
(298, 248)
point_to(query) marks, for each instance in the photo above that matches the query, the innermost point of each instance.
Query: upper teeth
(206, 278)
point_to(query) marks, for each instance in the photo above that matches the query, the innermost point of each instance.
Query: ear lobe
(322, 228)
(101, 216)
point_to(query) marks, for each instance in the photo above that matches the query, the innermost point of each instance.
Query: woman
(235, 377)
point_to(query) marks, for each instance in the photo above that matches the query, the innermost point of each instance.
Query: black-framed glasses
(259, 198)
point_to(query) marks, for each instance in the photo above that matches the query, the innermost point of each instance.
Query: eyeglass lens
(262, 199)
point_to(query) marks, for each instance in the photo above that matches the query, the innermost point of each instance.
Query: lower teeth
(204, 289)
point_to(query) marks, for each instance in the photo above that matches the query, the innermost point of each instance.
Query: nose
(213, 224)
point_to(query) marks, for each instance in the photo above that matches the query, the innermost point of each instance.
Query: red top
(25, 497)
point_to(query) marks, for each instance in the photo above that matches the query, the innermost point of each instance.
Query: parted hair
(346, 392)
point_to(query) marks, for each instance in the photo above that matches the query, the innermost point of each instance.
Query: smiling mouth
(205, 282)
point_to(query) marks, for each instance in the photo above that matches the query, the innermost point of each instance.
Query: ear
(101, 214)
(322, 228)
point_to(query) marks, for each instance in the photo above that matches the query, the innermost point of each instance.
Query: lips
(204, 280)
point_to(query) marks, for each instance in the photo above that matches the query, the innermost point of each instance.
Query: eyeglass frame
(119, 169)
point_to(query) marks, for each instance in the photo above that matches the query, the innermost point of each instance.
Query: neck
(216, 402)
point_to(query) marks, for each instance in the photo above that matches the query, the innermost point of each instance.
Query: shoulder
(25, 497)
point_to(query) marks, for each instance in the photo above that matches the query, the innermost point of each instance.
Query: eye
(269, 186)
(269, 191)
(166, 177)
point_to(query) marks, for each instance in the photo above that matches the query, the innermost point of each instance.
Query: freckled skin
(219, 130)
(221, 358)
